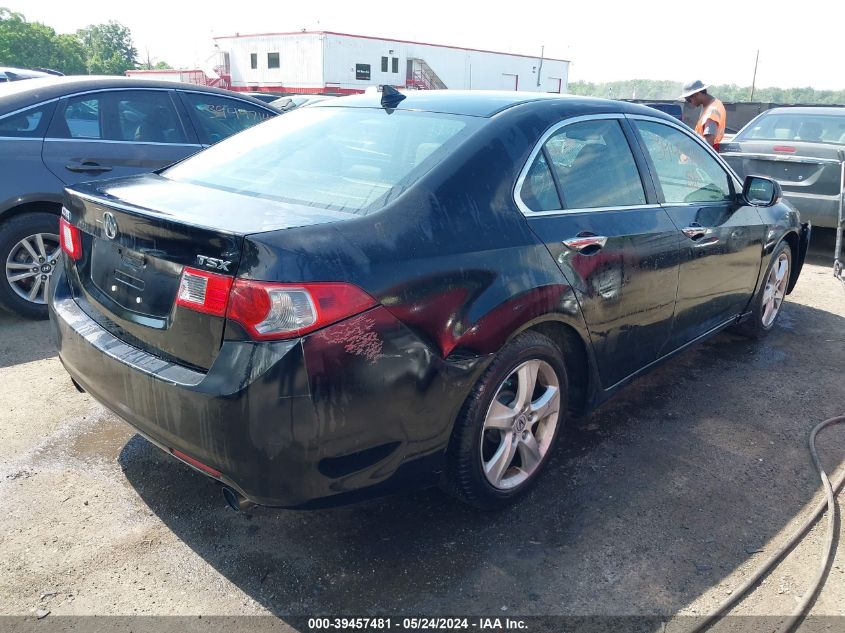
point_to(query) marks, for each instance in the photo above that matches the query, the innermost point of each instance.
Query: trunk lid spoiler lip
(787, 158)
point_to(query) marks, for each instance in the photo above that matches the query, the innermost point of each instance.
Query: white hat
(692, 87)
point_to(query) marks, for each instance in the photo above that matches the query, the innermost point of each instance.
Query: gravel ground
(658, 504)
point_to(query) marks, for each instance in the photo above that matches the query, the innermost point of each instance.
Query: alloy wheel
(520, 424)
(30, 265)
(775, 290)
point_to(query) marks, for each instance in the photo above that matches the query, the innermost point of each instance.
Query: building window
(272, 60)
(362, 72)
(396, 64)
(253, 60)
(384, 64)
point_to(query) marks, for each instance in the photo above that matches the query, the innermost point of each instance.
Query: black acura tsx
(395, 290)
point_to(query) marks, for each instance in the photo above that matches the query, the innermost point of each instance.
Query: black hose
(829, 503)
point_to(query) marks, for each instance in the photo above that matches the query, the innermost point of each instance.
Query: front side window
(594, 167)
(347, 159)
(272, 60)
(686, 172)
(217, 118)
(30, 123)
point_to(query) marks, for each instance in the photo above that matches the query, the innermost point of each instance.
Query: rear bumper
(359, 409)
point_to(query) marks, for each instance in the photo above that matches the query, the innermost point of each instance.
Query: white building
(326, 62)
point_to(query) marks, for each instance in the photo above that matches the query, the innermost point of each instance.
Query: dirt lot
(659, 503)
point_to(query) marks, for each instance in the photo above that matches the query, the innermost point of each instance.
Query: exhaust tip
(236, 501)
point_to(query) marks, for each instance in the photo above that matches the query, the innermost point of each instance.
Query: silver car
(803, 148)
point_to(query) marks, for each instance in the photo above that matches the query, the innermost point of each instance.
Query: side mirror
(761, 192)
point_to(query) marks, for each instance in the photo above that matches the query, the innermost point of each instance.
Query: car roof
(811, 110)
(16, 95)
(487, 103)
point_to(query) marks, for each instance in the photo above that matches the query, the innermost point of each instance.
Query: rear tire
(509, 424)
(26, 240)
(767, 303)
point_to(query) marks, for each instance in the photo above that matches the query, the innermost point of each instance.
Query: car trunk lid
(139, 235)
(797, 166)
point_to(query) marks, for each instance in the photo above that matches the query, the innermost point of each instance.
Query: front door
(108, 134)
(585, 198)
(721, 239)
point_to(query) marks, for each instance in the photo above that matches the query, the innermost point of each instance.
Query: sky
(800, 43)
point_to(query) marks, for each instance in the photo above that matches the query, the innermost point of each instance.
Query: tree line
(662, 90)
(98, 49)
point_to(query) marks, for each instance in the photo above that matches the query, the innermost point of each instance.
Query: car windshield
(348, 159)
(812, 128)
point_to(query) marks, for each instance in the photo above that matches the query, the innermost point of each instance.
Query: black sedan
(383, 292)
(59, 131)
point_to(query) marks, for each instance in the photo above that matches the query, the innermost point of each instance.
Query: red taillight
(204, 292)
(276, 311)
(70, 238)
(195, 463)
(785, 149)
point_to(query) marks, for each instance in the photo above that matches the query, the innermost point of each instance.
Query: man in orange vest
(711, 123)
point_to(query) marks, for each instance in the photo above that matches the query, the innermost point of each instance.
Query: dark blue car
(377, 293)
(60, 131)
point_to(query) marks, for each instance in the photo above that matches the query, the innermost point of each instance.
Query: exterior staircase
(420, 76)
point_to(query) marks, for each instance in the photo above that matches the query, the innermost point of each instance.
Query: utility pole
(754, 80)
(540, 69)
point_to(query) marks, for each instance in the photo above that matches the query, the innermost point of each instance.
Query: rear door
(721, 239)
(114, 133)
(584, 196)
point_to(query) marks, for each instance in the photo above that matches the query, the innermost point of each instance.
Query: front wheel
(509, 424)
(767, 303)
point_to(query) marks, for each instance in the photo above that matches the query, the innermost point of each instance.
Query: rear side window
(686, 172)
(538, 190)
(143, 116)
(31, 123)
(348, 159)
(82, 118)
(594, 167)
(217, 118)
(146, 117)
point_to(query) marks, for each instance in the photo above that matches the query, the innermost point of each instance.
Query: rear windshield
(812, 128)
(347, 159)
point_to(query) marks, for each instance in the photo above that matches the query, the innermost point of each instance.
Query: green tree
(68, 55)
(108, 48)
(24, 43)
(669, 90)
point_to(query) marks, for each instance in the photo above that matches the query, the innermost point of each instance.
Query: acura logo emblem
(109, 225)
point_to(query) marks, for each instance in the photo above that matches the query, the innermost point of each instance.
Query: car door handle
(695, 231)
(87, 166)
(586, 243)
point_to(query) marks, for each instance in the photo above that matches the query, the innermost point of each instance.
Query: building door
(510, 82)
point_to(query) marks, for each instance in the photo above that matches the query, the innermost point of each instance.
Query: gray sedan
(803, 148)
(61, 131)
